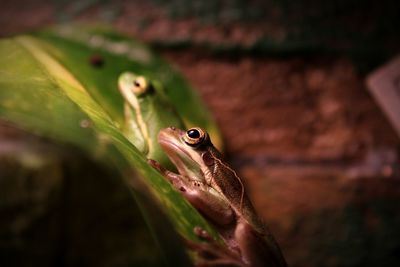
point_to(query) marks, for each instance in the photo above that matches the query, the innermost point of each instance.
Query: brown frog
(216, 191)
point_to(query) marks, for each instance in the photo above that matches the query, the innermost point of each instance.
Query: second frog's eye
(140, 85)
(194, 136)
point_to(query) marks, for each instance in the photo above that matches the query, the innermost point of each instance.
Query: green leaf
(47, 86)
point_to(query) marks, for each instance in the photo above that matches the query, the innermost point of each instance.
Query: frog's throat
(182, 160)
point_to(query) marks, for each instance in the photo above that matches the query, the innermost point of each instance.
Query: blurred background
(286, 82)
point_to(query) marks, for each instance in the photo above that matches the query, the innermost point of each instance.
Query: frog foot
(202, 233)
(211, 253)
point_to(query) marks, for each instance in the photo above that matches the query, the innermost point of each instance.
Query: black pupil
(136, 83)
(193, 134)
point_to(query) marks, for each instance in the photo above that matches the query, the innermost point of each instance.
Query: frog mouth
(180, 157)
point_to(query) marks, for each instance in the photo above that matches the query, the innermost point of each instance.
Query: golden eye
(194, 136)
(140, 85)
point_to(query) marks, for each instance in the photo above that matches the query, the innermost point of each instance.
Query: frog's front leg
(200, 195)
(213, 254)
(132, 131)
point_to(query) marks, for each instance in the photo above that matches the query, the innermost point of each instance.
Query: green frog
(217, 192)
(147, 109)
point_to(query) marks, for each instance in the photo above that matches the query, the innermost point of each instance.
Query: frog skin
(215, 190)
(146, 110)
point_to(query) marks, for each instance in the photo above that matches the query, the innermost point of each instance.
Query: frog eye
(194, 136)
(140, 85)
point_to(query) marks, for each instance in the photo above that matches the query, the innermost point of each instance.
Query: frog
(146, 110)
(211, 185)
